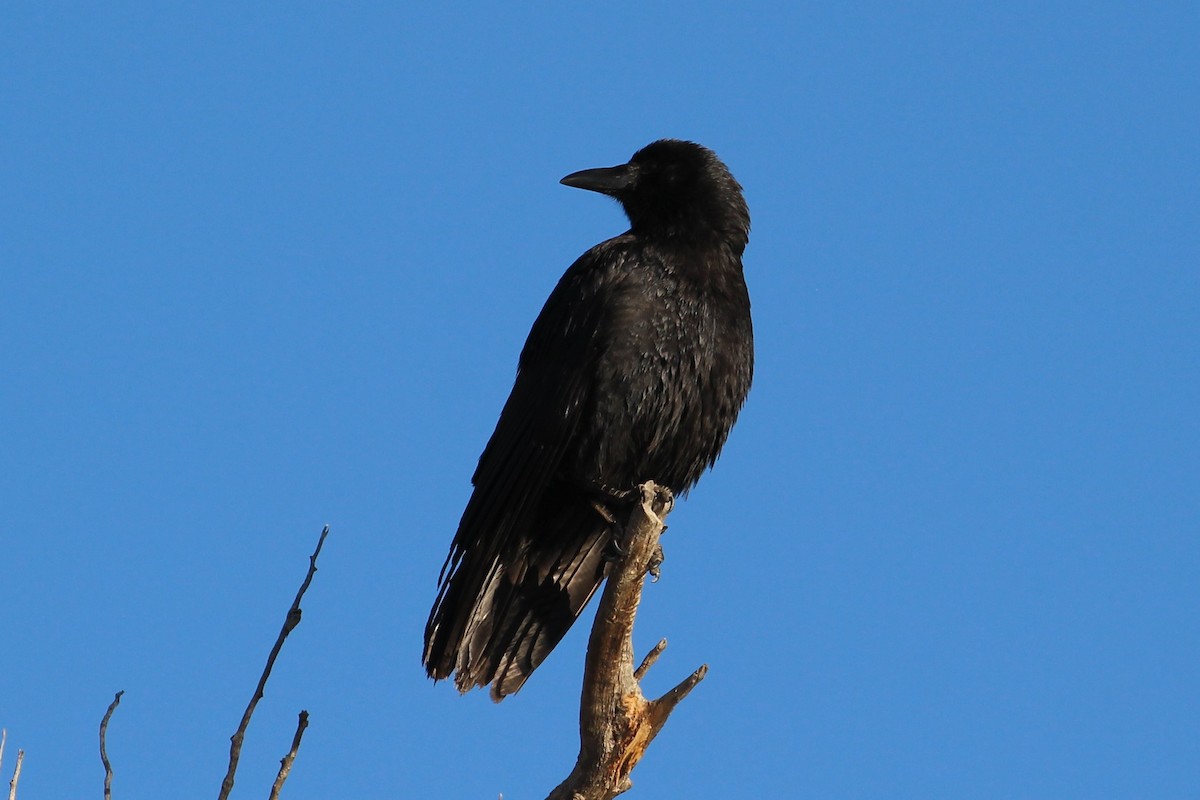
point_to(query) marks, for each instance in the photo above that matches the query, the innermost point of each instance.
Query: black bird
(634, 370)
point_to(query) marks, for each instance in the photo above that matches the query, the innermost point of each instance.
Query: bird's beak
(611, 181)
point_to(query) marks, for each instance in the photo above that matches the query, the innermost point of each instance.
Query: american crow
(634, 370)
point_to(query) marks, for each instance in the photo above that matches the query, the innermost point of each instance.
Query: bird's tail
(498, 615)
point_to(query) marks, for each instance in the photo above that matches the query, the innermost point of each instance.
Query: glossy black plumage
(634, 370)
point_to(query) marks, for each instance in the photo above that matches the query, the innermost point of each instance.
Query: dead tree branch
(289, 623)
(285, 763)
(12, 785)
(616, 721)
(108, 773)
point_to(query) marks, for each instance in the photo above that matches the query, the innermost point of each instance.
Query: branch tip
(108, 772)
(681, 690)
(649, 660)
(285, 763)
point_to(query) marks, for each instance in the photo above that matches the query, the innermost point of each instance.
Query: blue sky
(268, 267)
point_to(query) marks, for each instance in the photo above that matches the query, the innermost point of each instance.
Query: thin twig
(12, 785)
(285, 763)
(3, 739)
(290, 622)
(649, 660)
(108, 773)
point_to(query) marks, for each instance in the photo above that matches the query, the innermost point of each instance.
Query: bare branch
(616, 721)
(290, 622)
(649, 660)
(12, 785)
(285, 763)
(108, 773)
(3, 739)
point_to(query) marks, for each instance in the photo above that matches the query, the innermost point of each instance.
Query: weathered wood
(616, 721)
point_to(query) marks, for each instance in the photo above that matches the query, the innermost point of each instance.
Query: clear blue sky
(268, 267)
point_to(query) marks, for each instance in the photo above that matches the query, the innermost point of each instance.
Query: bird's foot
(604, 512)
(609, 502)
(604, 499)
(620, 496)
(613, 551)
(668, 496)
(655, 566)
(606, 494)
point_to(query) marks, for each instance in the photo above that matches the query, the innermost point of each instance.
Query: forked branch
(616, 721)
(289, 623)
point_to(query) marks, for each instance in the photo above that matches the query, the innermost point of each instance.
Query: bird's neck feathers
(708, 216)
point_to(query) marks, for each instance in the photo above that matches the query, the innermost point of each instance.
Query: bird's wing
(554, 382)
(524, 455)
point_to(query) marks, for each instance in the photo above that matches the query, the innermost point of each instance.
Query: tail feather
(497, 617)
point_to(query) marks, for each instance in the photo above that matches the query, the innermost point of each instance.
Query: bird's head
(672, 188)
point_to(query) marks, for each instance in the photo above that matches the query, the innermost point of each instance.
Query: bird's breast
(673, 374)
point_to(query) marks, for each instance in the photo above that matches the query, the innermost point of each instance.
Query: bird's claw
(613, 551)
(655, 566)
